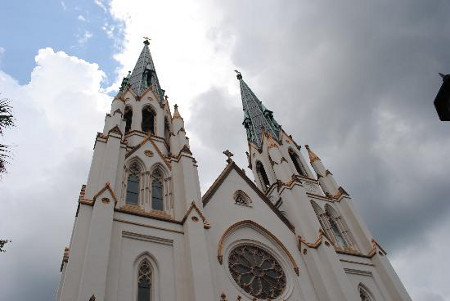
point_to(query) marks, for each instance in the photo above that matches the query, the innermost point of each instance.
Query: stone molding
(260, 228)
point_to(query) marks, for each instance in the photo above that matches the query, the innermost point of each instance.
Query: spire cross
(229, 155)
(147, 39)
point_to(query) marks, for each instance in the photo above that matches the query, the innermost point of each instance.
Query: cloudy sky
(354, 79)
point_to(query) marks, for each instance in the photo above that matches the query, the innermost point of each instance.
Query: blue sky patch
(80, 28)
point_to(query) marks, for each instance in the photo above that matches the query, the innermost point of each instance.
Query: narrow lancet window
(144, 281)
(133, 185)
(167, 132)
(262, 175)
(339, 227)
(296, 160)
(148, 120)
(324, 221)
(157, 190)
(128, 116)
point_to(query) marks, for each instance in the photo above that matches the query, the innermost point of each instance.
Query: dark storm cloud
(356, 80)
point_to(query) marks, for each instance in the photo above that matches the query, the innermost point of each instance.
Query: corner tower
(139, 232)
(333, 240)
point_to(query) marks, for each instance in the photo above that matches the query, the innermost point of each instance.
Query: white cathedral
(144, 232)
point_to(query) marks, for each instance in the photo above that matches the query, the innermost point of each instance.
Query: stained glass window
(133, 185)
(144, 281)
(257, 272)
(157, 191)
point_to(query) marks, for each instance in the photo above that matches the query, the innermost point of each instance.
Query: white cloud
(58, 114)
(85, 37)
(188, 61)
(81, 18)
(63, 4)
(100, 4)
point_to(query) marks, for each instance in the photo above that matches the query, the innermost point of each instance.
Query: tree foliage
(3, 242)
(6, 121)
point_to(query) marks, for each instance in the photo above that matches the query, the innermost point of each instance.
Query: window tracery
(157, 190)
(257, 272)
(364, 294)
(241, 198)
(340, 228)
(144, 281)
(133, 184)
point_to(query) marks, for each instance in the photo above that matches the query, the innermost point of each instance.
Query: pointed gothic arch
(263, 178)
(128, 117)
(135, 168)
(167, 132)
(339, 227)
(364, 293)
(144, 281)
(241, 198)
(297, 163)
(324, 221)
(148, 124)
(261, 230)
(158, 178)
(149, 277)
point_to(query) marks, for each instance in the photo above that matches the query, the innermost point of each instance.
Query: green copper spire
(144, 75)
(256, 117)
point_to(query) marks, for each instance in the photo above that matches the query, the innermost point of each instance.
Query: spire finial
(176, 114)
(147, 41)
(238, 74)
(312, 156)
(229, 155)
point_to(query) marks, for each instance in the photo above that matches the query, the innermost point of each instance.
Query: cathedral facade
(143, 231)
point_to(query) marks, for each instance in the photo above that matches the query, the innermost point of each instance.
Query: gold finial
(229, 155)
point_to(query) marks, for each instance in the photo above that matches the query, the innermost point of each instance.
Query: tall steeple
(144, 75)
(257, 118)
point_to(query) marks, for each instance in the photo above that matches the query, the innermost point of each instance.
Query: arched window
(339, 227)
(296, 160)
(157, 190)
(241, 198)
(148, 120)
(364, 293)
(128, 116)
(323, 220)
(262, 175)
(133, 185)
(167, 132)
(144, 281)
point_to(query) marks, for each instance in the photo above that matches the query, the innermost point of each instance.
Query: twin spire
(258, 120)
(143, 75)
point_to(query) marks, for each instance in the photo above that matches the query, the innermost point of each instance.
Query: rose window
(257, 272)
